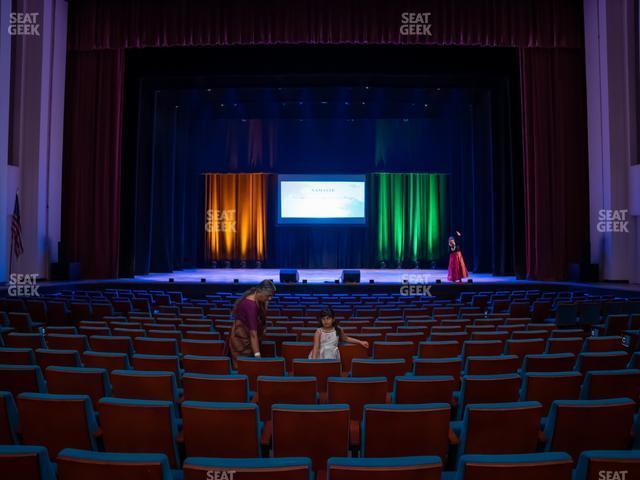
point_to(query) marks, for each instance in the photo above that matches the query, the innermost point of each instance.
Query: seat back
(549, 362)
(601, 361)
(155, 346)
(545, 387)
(58, 358)
(389, 368)
(253, 468)
(215, 388)
(24, 340)
(574, 426)
(402, 468)
(21, 378)
(25, 461)
(139, 426)
(495, 365)
(288, 390)
(611, 384)
(158, 385)
(350, 351)
(430, 349)
(439, 366)
(597, 464)
(475, 348)
(357, 392)
(295, 350)
(205, 348)
(425, 389)
(235, 425)
(320, 369)
(93, 382)
(500, 428)
(17, 356)
(255, 367)
(58, 341)
(524, 347)
(81, 464)
(108, 361)
(112, 344)
(207, 365)
(153, 363)
(525, 466)
(8, 419)
(405, 430)
(603, 344)
(571, 345)
(317, 432)
(57, 421)
(404, 350)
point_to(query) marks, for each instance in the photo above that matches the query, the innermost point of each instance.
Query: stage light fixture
(171, 280)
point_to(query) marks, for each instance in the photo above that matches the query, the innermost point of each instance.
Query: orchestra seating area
(135, 384)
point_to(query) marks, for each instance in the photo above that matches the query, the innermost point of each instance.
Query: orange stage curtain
(235, 216)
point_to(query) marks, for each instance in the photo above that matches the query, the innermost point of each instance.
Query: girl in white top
(328, 336)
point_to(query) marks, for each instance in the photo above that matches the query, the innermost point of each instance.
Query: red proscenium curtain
(91, 161)
(548, 32)
(555, 160)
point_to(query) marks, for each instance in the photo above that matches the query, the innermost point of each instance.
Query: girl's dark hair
(328, 312)
(265, 286)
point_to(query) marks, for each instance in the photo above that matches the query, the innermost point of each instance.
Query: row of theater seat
(233, 430)
(72, 464)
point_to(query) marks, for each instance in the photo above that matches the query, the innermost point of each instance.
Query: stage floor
(247, 275)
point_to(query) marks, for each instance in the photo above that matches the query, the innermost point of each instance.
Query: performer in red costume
(457, 267)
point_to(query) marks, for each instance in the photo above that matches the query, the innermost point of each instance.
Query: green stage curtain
(410, 212)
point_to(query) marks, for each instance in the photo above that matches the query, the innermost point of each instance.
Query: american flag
(16, 230)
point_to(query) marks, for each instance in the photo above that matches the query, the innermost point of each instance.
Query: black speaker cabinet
(289, 276)
(351, 276)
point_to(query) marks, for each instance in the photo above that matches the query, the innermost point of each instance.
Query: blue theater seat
(525, 466)
(596, 465)
(8, 419)
(499, 428)
(574, 426)
(399, 468)
(611, 384)
(76, 464)
(236, 426)
(291, 468)
(57, 421)
(21, 378)
(26, 462)
(139, 426)
(477, 389)
(392, 430)
(145, 385)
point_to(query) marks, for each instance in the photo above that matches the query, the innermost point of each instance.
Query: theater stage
(315, 276)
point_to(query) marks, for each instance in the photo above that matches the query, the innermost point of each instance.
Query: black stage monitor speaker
(351, 276)
(289, 276)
